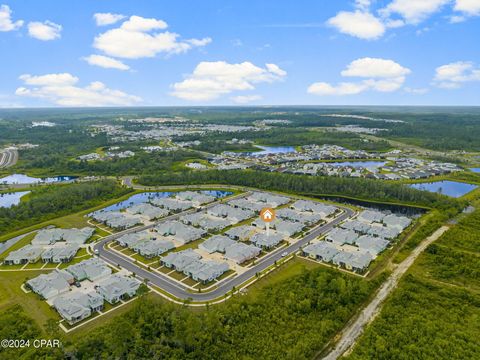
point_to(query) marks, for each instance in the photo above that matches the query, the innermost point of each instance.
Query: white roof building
(217, 243)
(92, 269)
(117, 287)
(240, 252)
(49, 285)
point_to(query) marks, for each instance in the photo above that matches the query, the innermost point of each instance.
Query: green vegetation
(291, 319)
(435, 310)
(49, 202)
(358, 188)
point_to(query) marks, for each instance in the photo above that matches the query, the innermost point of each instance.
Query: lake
(25, 179)
(145, 197)
(477, 170)
(358, 164)
(450, 188)
(11, 199)
(268, 150)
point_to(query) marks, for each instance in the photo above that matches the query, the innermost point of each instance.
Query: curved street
(181, 292)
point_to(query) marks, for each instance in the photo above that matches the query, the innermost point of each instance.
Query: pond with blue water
(476, 170)
(451, 188)
(25, 179)
(268, 150)
(8, 200)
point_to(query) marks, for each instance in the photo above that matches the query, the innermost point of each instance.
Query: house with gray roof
(341, 236)
(181, 232)
(312, 206)
(207, 222)
(129, 240)
(60, 254)
(355, 225)
(356, 261)
(78, 306)
(373, 245)
(323, 251)
(304, 217)
(171, 204)
(269, 200)
(117, 287)
(395, 221)
(72, 236)
(233, 215)
(217, 243)
(196, 198)
(92, 269)
(240, 252)
(265, 241)
(371, 216)
(179, 260)
(24, 255)
(149, 211)
(49, 285)
(152, 248)
(384, 232)
(116, 219)
(288, 228)
(241, 233)
(206, 271)
(243, 203)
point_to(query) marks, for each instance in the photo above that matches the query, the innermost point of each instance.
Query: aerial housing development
(269, 180)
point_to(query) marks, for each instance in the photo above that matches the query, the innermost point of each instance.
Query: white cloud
(453, 75)
(344, 88)
(106, 62)
(6, 23)
(413, 11)
(61, 89)
(381, 75)
(375, 67)
(359, 24)
(103, 19)
(136, 38)
(210, 80)
(44, 31)
(245, 99)
(470, 7)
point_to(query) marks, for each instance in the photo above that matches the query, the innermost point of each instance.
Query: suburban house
(78, 306)
(117, 287)
(49, 285)
(24, 255)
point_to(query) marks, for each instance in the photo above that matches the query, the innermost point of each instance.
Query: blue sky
(398, 52)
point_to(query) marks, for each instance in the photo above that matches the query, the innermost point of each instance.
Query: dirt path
(353, 331)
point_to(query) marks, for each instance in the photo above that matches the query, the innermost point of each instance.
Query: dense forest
(48, 202)
(353, 187)
(292, 319)
(423, 320)
(15, 324)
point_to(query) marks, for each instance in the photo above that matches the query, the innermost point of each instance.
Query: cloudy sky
(226, 52)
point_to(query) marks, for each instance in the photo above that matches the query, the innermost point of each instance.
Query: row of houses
(50, 245)
(191, 264)
(76, 305)
(70, 236)
(145, 243)
(356, 242)
(232, 250)
(327, 252)
(116, 219)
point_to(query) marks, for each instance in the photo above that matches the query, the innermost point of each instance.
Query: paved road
(8, 157)
(180, 291)
(353, 331)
